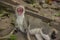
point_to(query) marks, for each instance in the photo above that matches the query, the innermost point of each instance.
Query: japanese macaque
(41, 36)
(20, 10)
(37, 27)
(45, 1)
(50, 1)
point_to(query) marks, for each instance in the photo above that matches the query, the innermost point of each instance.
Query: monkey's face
(54, 34)
(20, 10)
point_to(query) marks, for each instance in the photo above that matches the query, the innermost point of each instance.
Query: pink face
(20, 10)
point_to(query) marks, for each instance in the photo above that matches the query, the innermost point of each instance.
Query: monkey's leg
(45, 36)
(36, 33)
(38, 37)
(39, 31)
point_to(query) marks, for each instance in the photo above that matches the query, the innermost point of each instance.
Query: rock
(45, 5)
(54, 5)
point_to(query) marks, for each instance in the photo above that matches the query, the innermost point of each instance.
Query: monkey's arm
(45, 36)
(38, 36)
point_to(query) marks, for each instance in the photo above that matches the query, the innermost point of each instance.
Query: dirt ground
(36, 22)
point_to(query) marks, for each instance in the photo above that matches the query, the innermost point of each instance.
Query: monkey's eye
(20, 10)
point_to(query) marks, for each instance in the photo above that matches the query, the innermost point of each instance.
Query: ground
(34, 20)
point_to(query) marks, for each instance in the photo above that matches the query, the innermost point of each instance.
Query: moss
(30, 1)
(57, 14)
(1, 30)
(1, 12)
(12, 37)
